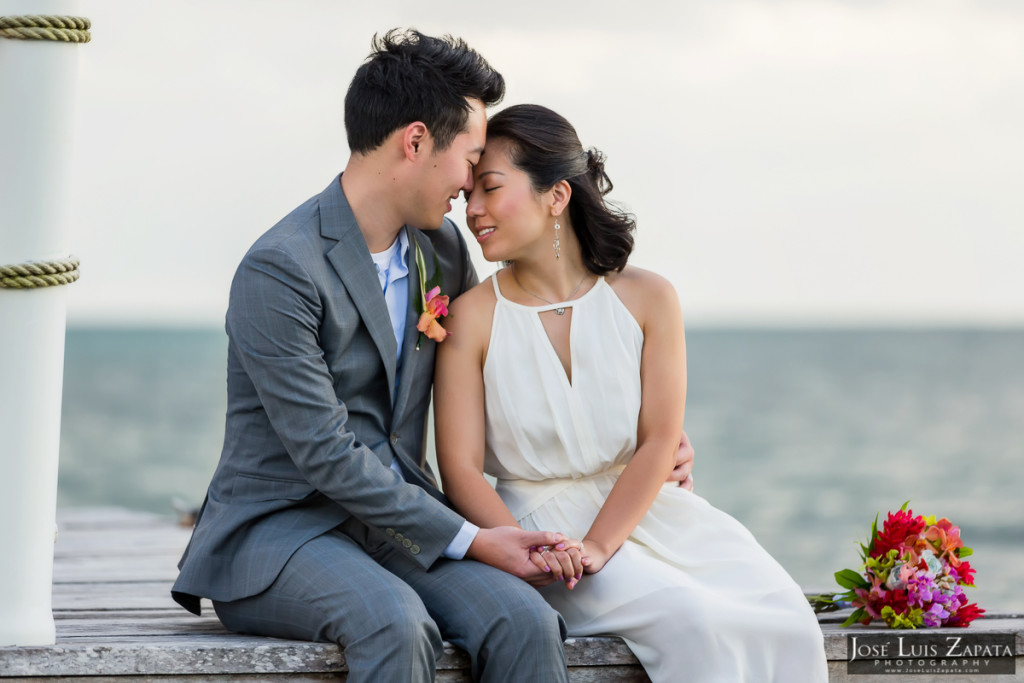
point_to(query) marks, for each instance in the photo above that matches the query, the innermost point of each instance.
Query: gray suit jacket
(314, 419)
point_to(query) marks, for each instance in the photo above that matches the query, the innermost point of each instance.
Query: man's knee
(531, 622)
(525, 643)
(413, 625)
(403, 626)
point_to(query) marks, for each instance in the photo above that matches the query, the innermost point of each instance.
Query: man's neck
(371, 191)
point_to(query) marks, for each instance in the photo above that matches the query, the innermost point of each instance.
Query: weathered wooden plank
(201, 654)
(162, 628)
(150, 567)
(116, 621)
(576, 675)
(124, 624)
(227, 654)
(127, 543)
(603, 674)
(608, 651)
(99, 596)
(112, 517)
(291, 678)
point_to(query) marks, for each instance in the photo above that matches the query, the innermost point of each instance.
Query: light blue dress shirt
(393, 273)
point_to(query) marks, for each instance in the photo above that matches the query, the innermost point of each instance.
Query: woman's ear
(413, 138)
(560, 194)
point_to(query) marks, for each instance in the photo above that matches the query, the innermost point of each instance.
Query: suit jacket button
(399, 537)
(415, 550)
(407, 543)
(394, 439)
(389, 531)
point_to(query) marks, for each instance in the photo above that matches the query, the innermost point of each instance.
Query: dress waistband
(523, 496)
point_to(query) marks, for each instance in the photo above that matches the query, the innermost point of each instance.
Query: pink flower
(945, 538)
(435, 306)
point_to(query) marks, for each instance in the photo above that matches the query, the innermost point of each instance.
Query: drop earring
(555, 243)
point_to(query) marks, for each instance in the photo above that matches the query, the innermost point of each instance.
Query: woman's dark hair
(545, 146)
(411, 77)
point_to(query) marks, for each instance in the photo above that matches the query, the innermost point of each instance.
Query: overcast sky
(808, 162)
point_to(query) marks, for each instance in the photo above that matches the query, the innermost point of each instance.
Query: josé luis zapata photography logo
(931, 653)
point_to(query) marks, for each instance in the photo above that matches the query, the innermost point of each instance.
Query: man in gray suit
(319, 523)
(322, 521)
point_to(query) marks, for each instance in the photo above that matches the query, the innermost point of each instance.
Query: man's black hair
(411, 77)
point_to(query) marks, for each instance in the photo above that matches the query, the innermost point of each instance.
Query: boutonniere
(431, 304)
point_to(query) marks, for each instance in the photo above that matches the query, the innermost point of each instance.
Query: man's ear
(561, 192)
(413, 138)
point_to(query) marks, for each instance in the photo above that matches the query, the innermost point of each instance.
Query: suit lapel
(410, 356)
(350, 258)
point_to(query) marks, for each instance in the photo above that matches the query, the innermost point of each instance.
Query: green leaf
(437, 279)
(964, 552)
(854, 618)
(847, 578)
(874, 532)
(421, 266)
(822, 602)
(847, 595)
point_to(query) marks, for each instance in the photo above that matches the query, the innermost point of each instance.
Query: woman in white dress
(564, 377)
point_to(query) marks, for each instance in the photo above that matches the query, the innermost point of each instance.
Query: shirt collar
(399, 266)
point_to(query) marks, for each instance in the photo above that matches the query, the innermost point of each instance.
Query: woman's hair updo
(545, 146)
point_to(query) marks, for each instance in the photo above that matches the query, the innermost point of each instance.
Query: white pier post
(37, 89)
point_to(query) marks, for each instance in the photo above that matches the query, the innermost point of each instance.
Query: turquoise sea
(803, 435)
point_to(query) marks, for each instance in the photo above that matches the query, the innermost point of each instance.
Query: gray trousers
(350, 587)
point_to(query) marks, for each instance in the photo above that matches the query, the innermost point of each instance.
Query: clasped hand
(542, 557)
(567, 561)
(561, 561)
(538, 557)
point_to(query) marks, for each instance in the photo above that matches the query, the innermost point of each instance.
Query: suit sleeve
(273, 321)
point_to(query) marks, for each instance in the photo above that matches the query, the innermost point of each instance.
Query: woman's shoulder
(641, 287)
(472, 312)
(478, 297)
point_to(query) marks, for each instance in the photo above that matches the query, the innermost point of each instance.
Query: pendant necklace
(561, 309)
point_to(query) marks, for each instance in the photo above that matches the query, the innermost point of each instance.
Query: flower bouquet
(914, 575)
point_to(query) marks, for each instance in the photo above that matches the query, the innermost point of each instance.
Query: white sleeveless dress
(691, 592)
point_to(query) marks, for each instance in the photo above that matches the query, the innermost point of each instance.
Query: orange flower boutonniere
(432, 304)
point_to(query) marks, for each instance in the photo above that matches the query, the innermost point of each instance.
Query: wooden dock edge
(116, 622)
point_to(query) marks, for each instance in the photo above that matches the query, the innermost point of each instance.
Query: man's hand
(683, 473)
(508, 548)
(561, 562)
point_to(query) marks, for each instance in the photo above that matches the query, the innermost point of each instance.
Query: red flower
(875, 599)
(898, 527)
(965, 615)
(966, 572)
(898, 601)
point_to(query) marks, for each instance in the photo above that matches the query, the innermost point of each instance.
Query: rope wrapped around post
(38, 27)
(39, 274)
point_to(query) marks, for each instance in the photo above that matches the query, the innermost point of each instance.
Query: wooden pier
(116, 622)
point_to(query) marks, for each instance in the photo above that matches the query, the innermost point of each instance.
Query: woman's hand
(562, 561)
(683, 472)
(595, 556)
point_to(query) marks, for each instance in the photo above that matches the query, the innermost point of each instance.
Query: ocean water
(801, 435)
